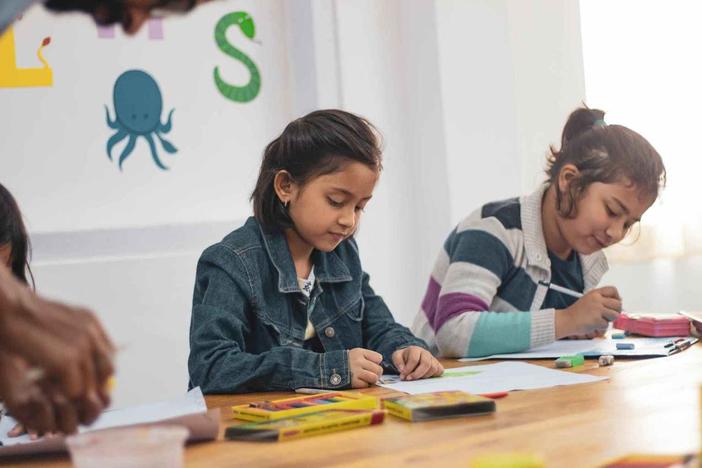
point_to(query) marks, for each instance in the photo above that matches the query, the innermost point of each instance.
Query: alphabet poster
(101, 130)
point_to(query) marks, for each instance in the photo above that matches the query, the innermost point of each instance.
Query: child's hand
(365, 367)
(590, 314)
(414, 363)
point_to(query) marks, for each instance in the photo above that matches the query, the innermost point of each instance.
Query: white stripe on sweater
(453, 339)
(469, 278)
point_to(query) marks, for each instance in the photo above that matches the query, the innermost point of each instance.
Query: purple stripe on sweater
(453, 304)
(431, 297)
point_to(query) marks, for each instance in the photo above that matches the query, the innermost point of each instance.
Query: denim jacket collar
(328, 267)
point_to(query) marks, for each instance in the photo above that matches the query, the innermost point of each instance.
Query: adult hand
(43, 410)
(66, 348)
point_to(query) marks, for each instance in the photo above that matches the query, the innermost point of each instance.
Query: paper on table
(491, 378)
(189, 411)
(644, 347)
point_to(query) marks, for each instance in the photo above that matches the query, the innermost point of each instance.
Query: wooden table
(650, 405)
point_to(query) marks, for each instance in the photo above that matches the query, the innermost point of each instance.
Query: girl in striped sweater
(491, 290)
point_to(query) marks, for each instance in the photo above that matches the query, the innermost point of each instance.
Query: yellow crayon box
(305, 425)
(285, 408)
(438, 405)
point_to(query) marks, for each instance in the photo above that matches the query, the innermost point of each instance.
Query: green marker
(570, 361)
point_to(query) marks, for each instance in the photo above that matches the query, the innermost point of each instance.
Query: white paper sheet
(644, 347)
(491, 378)
(189, 411)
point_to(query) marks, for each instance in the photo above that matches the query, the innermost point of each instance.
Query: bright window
(643, 66)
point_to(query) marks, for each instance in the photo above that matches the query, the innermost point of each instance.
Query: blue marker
(625, 346)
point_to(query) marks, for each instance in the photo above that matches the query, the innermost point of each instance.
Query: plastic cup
(136, 447)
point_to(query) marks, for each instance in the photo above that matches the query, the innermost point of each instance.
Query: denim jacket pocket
(348, 299)
(355, 311)
(331, 309)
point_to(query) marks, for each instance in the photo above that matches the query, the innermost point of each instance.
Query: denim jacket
(249, 317)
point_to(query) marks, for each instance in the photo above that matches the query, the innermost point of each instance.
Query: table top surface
(646, 406)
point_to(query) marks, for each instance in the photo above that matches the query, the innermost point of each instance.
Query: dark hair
(322, 142)
(108, 12)
(13, 233)
(602, 153)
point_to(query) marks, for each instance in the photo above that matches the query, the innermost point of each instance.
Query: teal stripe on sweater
(499, 333)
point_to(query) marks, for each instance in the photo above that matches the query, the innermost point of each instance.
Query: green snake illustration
(249, 91)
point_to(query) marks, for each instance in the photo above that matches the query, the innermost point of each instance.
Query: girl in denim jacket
(283, 302)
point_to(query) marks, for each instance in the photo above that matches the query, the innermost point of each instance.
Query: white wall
(143, 302)
(663, 286)
(389, 73)
(372, 84)
(467, 95)
(511, 72)
(667, 117)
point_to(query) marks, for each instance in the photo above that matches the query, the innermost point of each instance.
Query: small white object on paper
(643, 347)
(491, 378)
(189, 411)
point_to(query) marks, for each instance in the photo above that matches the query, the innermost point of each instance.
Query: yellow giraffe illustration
(13, 77)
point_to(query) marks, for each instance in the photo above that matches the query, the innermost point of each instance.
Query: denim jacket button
(335, 379)
(329, 331)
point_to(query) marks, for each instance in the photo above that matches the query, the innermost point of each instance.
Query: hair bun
(580, 121)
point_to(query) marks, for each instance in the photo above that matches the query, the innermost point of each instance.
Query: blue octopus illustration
(138, 106)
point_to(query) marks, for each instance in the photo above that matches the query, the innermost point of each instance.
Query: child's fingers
(432, 368)
(372, 367)
(398, 359)
(438, 368)
(614, 304)
(368, 377)
(423, 367)
(609, 291)
(358, 383)
(610, 316)
(373, 356)
(412, 357)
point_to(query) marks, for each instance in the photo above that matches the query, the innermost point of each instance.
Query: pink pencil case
(657, 325)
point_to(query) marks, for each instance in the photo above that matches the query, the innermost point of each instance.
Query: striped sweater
(484, 295)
